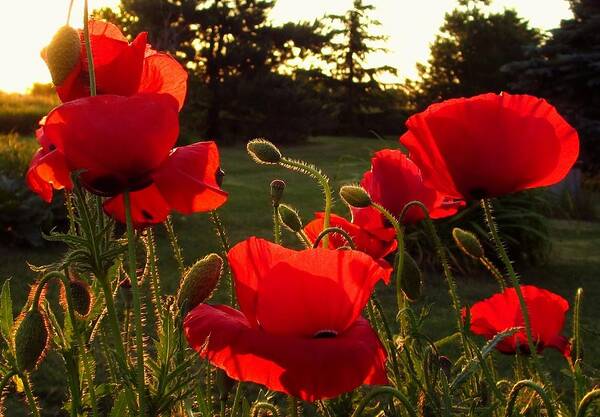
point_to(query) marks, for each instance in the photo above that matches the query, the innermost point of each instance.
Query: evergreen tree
(352, 43)
(467, 56)
(566, 70)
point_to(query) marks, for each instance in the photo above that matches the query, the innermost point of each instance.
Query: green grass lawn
(575, 260)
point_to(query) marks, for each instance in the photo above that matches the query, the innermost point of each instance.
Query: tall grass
(21, 112)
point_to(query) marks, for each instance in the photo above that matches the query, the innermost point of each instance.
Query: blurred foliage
(22, 213)
(521, 220)
(21, 112)
(467, 56)
(566, 70)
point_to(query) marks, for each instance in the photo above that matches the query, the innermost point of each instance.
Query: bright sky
(26, 26)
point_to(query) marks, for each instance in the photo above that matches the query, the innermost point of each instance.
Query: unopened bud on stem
(277, 187)
(355, 196)
(32, 339)
(290, 218)
(263, 151)
(468, 243)
(199, 281)
(63, 53)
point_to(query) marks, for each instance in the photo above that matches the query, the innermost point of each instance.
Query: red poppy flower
(110, 141)
(377, 241)
(394, 181)
(123, 68)
(502, 311)
(491, 145)
(299, 330)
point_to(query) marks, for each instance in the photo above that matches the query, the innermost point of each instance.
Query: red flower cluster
(369, 235)
(122, 140)
(299, 330)
(502, 311)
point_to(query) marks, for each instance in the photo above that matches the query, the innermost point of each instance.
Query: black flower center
(325, 334)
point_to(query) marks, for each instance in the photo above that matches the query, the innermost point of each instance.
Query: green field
(575, 260)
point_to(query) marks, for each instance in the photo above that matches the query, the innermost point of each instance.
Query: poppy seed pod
(63, 53)
(263, 151)
(468, 243)
(355, 196)
(81, 297)
(32, 339)
(199, 281)
(277, 187)
(411, 281)
(290, 218)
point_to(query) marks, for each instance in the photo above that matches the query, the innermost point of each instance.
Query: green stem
(30, 398)
(586, 401)
(576, 323)
(400, 298)
(321, 179)
(489, 218)
(70, 211)
(494, 271)
(6, 379)
(514, 393)
(154, 276)
(80, 340)
(304, 239)
(337, 230)
(177, 252)
(137, 309)
(276, 226)
(88, 49)
(216, 219)
(385, 391)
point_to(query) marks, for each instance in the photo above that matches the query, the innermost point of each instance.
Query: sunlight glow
(26, 26)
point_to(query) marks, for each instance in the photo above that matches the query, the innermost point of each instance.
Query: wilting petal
(490, 145)
(163, 74)
(250, 260)
(187, 179)
(147, 207)
(307, 368)
(316, 290)
(116, 141)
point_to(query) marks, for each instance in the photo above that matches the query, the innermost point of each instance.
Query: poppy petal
(48, 171)
(187, 179)
(112, 139)
(147, 207)
(163, 74)
(310, 369)
(250, 260)
(490, 145)
(316, 290)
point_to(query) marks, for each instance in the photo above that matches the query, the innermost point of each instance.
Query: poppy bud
(32, 339)
(263, 151)
(355, 196)
(199, 281)
(411, 281)
(277, 187)
(80, 296)
(63, 53)
(290, 218)
(468, 243)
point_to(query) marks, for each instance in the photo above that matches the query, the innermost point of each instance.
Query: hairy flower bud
(199, 281)
(411, 281)
(263, 151)
(468, 243)
(32, 339)
(277, 187)
(63, 53)
(81, 297)
(355, 196)
(290, 218)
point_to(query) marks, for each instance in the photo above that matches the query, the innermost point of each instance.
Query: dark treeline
(251, 78)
